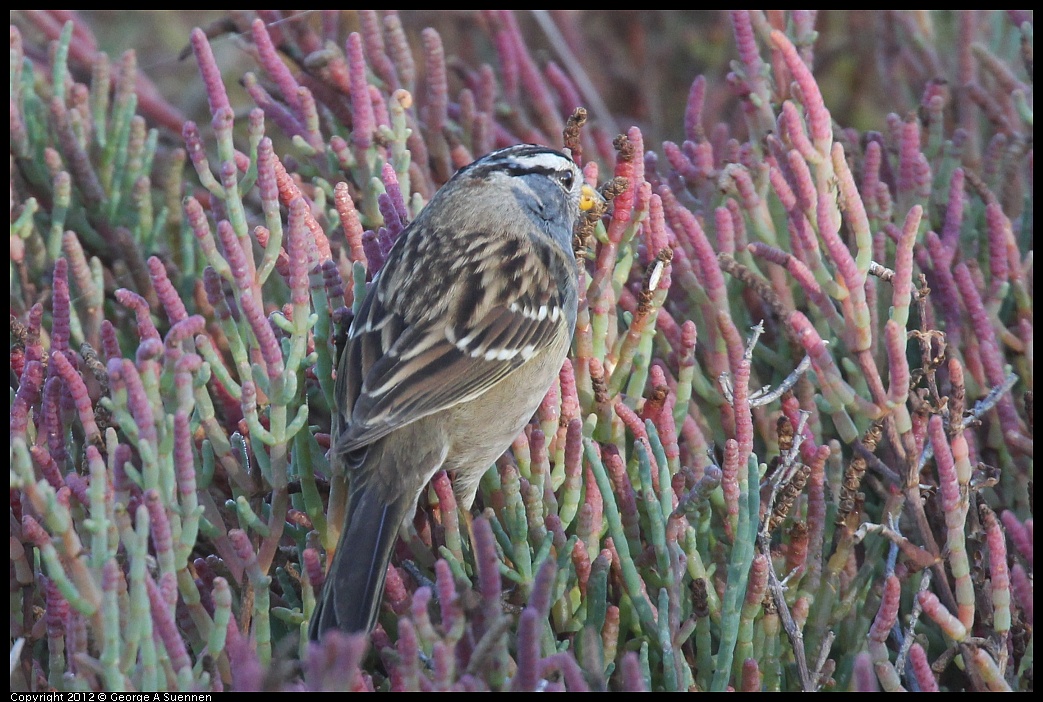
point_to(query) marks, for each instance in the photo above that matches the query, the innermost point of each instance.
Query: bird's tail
(354, 585)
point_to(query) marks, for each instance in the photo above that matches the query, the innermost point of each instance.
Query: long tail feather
(355, 582)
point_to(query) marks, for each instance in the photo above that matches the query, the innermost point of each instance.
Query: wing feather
(410, 354)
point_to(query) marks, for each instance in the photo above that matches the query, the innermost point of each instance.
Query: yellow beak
(589, 197)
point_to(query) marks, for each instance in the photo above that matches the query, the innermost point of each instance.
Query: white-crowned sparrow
(457, 341)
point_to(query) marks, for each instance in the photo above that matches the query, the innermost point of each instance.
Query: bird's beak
(589, 198)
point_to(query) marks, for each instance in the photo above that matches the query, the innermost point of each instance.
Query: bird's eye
(567, 179)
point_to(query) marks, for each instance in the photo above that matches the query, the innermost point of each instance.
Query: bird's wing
(410, 354)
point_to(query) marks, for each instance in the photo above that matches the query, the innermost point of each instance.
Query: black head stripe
(517, 161)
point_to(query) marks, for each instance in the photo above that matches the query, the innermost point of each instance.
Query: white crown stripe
(543, 161)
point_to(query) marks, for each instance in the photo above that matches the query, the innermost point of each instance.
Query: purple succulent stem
(999, 233)
(123, 372)
(298, 237)
(693, 112)
(165, 290)
(482, 83)
(637, 165)
(856, 313)
(804, 278)
(159, 529)
(236, 215)
(937, 260)
(1020, 534)
(829, 375)
(381, 116)
(903, 278)
(573, 675)
(998, 571)
(34, 350)
(200, 225)
(705, 258)
(580, 557)
(573, 469)
(449, 603)
(758, 582)
(636, 426)
(751, 676)
(251, 308)
(444, 665)
(435, 112)
(920, 667)
(399, 51)
(349, 221)
(247, 671)
(791, 126)
(730, 486)
(76, 157)
(51, 417)
(953, 509)
(77, 487)
(286, 120)
(752, 84)
(142, 313)
(506, 51)
(667, 430)
(313, 570)
(211, 73)
(1022, 587)
(122, 456)
(56, 615)
(854, 209)
(746, 44)
(528, 653)
(406, 676)
(333, 284)
(897, 363)
(626, 498)
(884, 621)
(546, 113)
(863, 675)
(701, 155)
(376, 53)
(61, 309)
(908, 153)
(215, 295)
(738, 223)
(374, 256)
(568, 95)
(681, 163)
(816, 515)
(489, 584)
(166, 628)
(28, 395)
(872, 162)
(309, 117)
(922, 178)
(780, 178)
(361, 106)
(48, 467)
(108, 339)
(318, 243)
(74, 384)
(633, 679)
(991, 356)
(273, 65)
(595, 502)
(385, 241)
